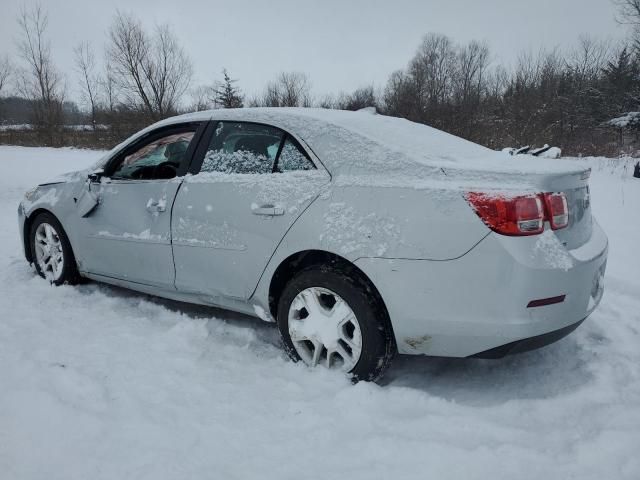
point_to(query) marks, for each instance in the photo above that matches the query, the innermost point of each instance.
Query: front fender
(59, 199)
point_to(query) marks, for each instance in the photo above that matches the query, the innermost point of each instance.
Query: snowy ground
(100, 383)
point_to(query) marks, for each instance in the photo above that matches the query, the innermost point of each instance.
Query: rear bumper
(479, 302)
(527, 344)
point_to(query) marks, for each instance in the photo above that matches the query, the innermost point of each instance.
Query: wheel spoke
(327, 361)
(47, 269)
(39, 250)
(54, 266)
(298, 305)
(317, 351)
(294, 331)
(341, 312)
(349, 341)
(311, 302)
(49, 233)
(340, 350)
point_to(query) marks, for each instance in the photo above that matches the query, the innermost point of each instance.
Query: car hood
(67, 177)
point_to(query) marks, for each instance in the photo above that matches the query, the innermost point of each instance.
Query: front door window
(159, 159)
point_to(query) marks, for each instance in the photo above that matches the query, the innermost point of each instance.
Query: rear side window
(292, 158)
(237, 147)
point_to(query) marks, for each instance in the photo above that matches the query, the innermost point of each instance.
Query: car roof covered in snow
(357, 142)
(352, 144)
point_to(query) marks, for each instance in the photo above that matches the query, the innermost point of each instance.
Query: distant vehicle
(361, 235)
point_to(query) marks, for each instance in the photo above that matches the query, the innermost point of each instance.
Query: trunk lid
(539, 177)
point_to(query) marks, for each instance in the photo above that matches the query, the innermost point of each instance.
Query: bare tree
(254, 101)
(628, 11)
(169, 71)
(472, 64)
(201, 98)
(433, 68)
(289, 89)
(6, 69)
(109, 89)
(360, 98)
(39, 80)
(497, 81)
(328, 101)
(588, 59)
(399, 96)
(469, 85)
(127, 49)
(89, 81)
(153, 71)
(629, 14)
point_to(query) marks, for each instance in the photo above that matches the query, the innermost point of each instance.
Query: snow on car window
(238, 147)
(291, 158)
(242, 161)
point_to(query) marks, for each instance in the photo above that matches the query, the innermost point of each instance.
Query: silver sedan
(361, 235)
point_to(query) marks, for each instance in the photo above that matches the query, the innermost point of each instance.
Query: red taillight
(521, 215)
(557, 210)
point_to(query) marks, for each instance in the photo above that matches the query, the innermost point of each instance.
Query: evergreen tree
(227, 95)
(622, 78)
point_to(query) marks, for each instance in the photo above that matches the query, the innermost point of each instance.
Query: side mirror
(94, 177)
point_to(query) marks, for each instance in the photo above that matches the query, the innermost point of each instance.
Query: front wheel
(329, 317)
(51, 251)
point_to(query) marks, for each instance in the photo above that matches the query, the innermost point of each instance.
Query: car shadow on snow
(549, 372)
(545, 373)
(265, 332)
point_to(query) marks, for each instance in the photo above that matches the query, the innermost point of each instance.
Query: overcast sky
(341, 44)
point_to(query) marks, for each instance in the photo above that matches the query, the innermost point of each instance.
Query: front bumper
(21, 220)
(478, 302)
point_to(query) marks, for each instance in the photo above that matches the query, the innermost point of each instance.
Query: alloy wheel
(324, 330)
(48, 250)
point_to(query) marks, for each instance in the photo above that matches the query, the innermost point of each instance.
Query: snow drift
(97, 382)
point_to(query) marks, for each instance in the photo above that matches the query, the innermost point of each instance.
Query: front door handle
(155, 206)
(268, 209)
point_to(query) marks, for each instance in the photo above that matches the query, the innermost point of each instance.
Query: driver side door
(127, 235)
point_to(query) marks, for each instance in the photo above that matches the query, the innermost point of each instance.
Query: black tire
(69, 273)
(378, 344)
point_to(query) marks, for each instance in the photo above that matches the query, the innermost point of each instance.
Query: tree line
(584, 100)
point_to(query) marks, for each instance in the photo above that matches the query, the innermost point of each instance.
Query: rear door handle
(154, 206)
(268, 209)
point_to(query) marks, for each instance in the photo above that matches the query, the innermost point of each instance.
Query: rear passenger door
(251, 182)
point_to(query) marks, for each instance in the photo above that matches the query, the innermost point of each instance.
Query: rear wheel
(329, 318)
(51, 251)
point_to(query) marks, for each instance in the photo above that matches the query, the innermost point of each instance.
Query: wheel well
(301, 260)
(28, 221)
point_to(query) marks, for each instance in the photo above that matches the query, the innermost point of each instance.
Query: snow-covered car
(362, 235)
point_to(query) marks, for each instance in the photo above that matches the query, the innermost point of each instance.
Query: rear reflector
(546, 301)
